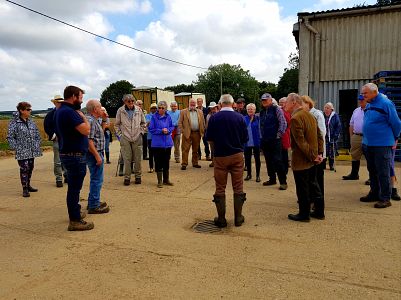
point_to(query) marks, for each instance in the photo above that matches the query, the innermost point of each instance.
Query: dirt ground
(145, 247)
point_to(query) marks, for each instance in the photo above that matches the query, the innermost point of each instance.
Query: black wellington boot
(354, 171)
(220, 220)
(166, 180)
(239, 200)
(159, 179)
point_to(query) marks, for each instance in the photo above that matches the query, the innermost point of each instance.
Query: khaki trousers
(356, 147)
(194, 141)
(233, 164)
(177, 140)
(132, 152)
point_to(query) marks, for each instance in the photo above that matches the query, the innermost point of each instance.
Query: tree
(288, 82)
(111, 97)
(235, 81)
(179, 88)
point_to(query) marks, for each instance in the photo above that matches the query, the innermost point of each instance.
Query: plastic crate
(387, 74)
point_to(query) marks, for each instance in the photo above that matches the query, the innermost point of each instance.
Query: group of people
(232, 136)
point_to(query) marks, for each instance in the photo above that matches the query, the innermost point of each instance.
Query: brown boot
(220, 202)
(239, 200)
(80, 225)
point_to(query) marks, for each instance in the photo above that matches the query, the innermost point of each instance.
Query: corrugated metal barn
(340, 50)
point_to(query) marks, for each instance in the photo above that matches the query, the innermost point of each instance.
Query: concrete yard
(145, 247)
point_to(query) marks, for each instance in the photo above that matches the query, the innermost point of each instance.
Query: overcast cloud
(39, 57)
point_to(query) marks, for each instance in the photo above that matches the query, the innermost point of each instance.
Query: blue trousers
(96, 180)
(76, 170)
(378, 160)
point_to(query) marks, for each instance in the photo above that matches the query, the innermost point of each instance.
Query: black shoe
(65, 180)
(331, 168)
(183, 167)
(351, 177)
(394, 195)
(197, 166)
(269, 182)
(32, 189)
(127, 181)
(59, 184)
(369, 198)
(257, 179)
(138, 180)
(382, 204)
(108, 162)
(367, 182)
(145, 158)
(298, 218)
(221, 223)
(248, 177)
(317, 216)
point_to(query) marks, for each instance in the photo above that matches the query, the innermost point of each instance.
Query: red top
(285, 139)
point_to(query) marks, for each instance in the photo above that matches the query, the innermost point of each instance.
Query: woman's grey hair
(226, 99)
(329, 104)
(162, 103)
(294, 97)
(251, 105)
(128, 97)
(371, 86)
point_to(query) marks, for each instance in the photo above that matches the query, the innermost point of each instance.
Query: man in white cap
(49, 127)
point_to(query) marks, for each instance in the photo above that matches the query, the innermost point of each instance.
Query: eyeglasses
(129, 101)
(161, 107)
(28, 109)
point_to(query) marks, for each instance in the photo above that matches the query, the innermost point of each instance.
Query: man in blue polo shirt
(381, 129)
(72, 129)
(228, 133)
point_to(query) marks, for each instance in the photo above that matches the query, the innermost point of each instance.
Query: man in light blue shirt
(176, 134)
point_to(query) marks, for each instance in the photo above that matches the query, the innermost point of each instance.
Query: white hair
(173, 103)
(371, 86)
(283, 99)
(251, 105)
(226, 99)
(162, 103)
(329, 104)
(274, 101)
(128, 97)
(139, 102)
(92, 104)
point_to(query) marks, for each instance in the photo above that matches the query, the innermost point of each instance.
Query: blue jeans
(76, 170)
(96, 180)
(106, 143)
(378, 160)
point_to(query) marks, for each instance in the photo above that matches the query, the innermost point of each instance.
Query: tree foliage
(288, 82)
(112, 95)
(235, 81)
(179, 88)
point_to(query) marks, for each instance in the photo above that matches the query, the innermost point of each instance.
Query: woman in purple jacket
(161, 128)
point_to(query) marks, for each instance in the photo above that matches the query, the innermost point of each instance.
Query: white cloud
(41, 57)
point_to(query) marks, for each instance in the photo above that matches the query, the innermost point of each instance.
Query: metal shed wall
(346, 49)
(357, 47)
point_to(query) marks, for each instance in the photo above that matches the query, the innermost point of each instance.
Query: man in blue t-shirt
(228, 133)
(72, 129)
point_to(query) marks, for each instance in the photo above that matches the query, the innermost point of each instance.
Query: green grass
(4, 145)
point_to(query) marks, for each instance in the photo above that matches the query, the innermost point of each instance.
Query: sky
(40, 57)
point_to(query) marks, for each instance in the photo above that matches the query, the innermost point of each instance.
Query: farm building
(183, 99)
(152, 95)
(341, 50)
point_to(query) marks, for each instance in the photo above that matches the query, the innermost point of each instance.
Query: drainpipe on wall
(316, 63)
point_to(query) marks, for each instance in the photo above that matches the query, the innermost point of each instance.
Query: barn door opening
(348, 101)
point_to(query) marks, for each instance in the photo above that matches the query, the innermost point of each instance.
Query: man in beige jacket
(192, 127)
(130, 126)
